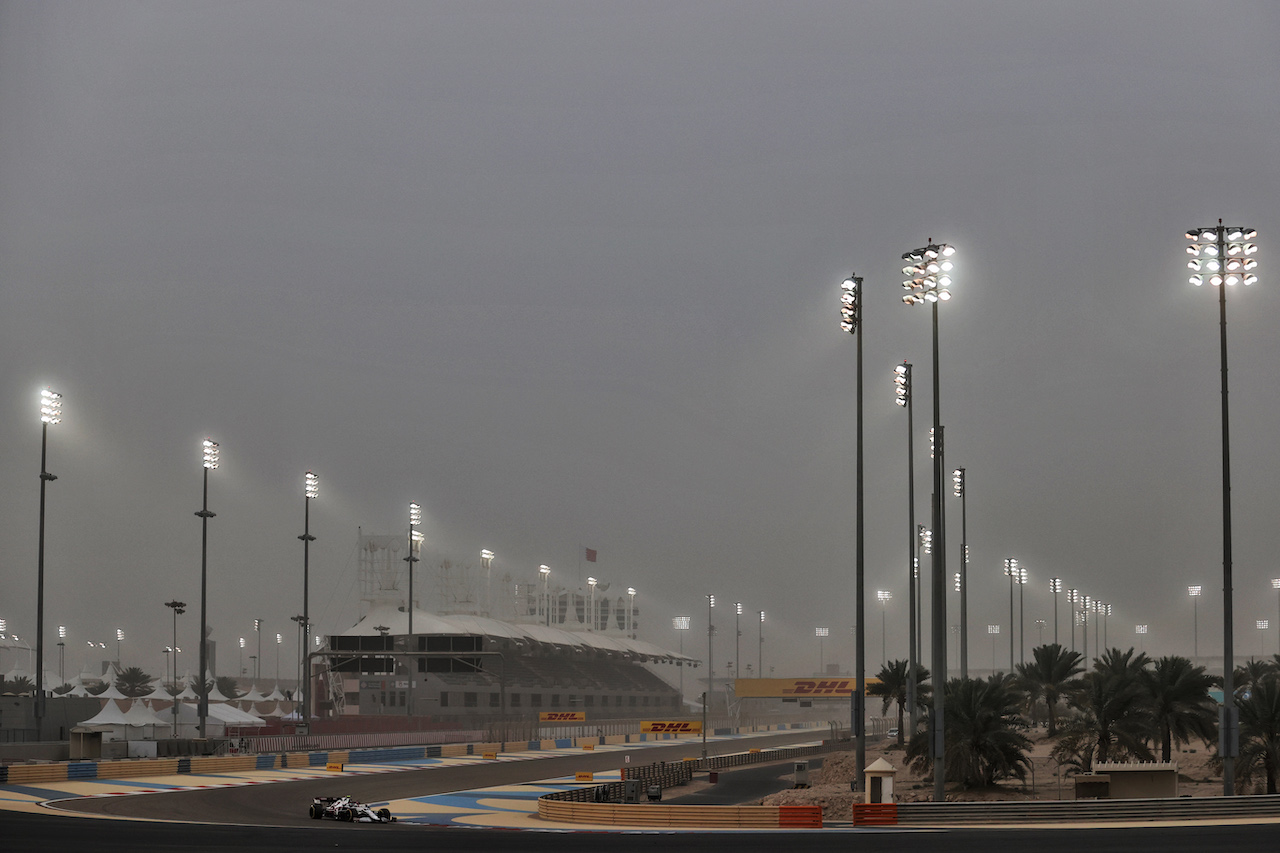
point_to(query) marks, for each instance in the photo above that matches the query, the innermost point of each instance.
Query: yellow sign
(796, 688)
(583, 777)
(677, 727)
(562, 717)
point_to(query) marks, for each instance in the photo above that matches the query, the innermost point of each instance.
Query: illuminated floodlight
(681, 623)
(50, 407)
(210, 449)
(850, 312)
(312, 486)
(821, 632)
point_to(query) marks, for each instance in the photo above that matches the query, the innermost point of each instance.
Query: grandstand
(557, 650)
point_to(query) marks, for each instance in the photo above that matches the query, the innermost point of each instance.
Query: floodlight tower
(415, 546)
(1195, 591)
(1022, 613)
(1011, 571)
(50, 414)
(1226, 253)
(959, 484)
(915, 539)
(851, 321)
(486, 560)
(883, 596)
(681, 624)
(760, 648)
(1073, 596)
(210, 454)
(711, 666)
(1055, 587)
(821, 633)
(737, 636)
(545, 573)
(310, 491)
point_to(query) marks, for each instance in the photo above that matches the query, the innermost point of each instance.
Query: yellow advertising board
(562, 717)
(672, 727)
(838, 687)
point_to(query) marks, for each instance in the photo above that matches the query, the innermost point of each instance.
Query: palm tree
(134, 682)
(17, 686)
(1178, 692)
(1251, 672)
(1050, 675)
(228, 687)
(1114, 703)
(892, 687)
(1260, 732)
(983, 741)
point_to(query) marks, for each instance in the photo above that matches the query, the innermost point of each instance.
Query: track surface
(285, 803)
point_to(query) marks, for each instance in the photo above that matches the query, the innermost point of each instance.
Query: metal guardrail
(1071, 811)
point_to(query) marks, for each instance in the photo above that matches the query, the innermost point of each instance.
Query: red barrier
(875, 814)
(800, 816)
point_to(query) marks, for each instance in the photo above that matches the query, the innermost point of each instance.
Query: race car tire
(315, 812)
(348, 815)
(384, 814)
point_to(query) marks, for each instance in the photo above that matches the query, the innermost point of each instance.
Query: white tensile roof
(110, 715)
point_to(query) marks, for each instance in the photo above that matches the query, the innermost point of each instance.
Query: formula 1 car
(348, 809)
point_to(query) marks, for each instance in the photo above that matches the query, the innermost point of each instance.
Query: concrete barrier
(651, 814)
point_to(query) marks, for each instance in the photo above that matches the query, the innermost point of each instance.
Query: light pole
(62, 647)
(1141, 631)
(279, 640)
(924, 547)
(928, 281)
(994, 631)
(1011, 572)
(415, 543)
(631, 612)
(1040, 626)
(1085, 606)
(119, 640)
(1217, 250)
(883, 596)
(1055, 587)
(50, 413)
(1275, 584)
(851, 322)
(1098, 608)
(959, 482)
(711, 667)
(591, 618)
(737, 635)
(486, 560)
(178, 608)
(915, 539)
(681, 624)
(210, 461)
(257, 666)
(1106, 614)
(760, 648)
(240, 671)
(821, 634)
(1022, 614)
(1194, 591)
(545, 573)
(1073, 595)
(310, 491)
(1262, 641)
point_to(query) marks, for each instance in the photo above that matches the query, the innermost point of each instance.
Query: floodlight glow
(849, 311)
(681, 623)
(1139, 629)
(631, 590)
(822, 632)
(210, 453)
(544, 570)
(62, 631)
(711, 600)
(592, 581)
(738, 607)
(1194, 591)
(1263, 624)
(993, 629)
(311, 488)
(242, 642)
(279, 639)
(119, 635)
(415, 515)
(50, 407)
(957, 481)
(883, 595)
(1055, 585)
(486, 555)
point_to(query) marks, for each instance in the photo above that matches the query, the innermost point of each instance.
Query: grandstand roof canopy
(395, 621)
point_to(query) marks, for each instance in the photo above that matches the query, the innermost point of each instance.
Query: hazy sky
(566, 274)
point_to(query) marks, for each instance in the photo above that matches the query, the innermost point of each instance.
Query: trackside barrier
(651, 814)
(875, 814)
(1067, 811)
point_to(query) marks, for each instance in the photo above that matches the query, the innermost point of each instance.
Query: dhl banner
(674, 727)
(562, 717)
(796, 688)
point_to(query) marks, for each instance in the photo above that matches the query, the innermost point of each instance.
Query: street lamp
(486, 560)
(1218, 250)
(681, 624)
(821, 634)
(415, 544)
(883, 596)
(1055, 587)
(545, 573)
(210, 461)
(591, 618)
(178, 608)
(760, 648)
(1011, 572)
(50, 414)
(1194, 591)
(959, 483)
(1262, 642)
(310, 491)
(851, 321)
(928, 280)
(737, 635)
(915, 539)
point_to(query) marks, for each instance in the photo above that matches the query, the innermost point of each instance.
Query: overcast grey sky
(566, 274)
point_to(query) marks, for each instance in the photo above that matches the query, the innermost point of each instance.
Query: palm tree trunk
(900, 704)
(1166, 743)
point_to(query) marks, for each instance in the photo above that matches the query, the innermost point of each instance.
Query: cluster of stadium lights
(927, 269)
(1222, 250)
(849, 313)
(902, 383)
